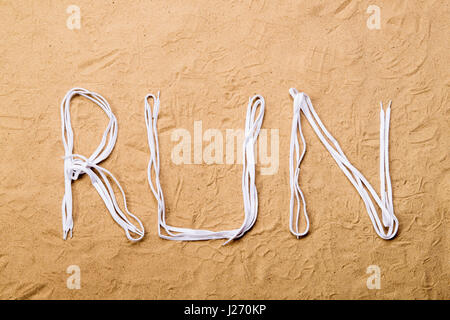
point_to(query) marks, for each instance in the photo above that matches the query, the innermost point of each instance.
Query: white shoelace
(303, 103)
(250, 194)
(75, 164)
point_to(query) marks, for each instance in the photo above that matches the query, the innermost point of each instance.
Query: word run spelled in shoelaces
(76, 164)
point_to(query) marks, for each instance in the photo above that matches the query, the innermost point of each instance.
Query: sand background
(208, 58)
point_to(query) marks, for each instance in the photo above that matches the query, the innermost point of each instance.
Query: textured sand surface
(207, 58)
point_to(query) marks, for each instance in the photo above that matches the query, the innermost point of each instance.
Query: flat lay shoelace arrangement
(302, 103)
(250, 195)
(76, 165)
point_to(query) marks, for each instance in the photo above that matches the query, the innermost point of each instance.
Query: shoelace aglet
(388, 107)
(66, 232)
(229, 240)
(156, 107)
(293, 92)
